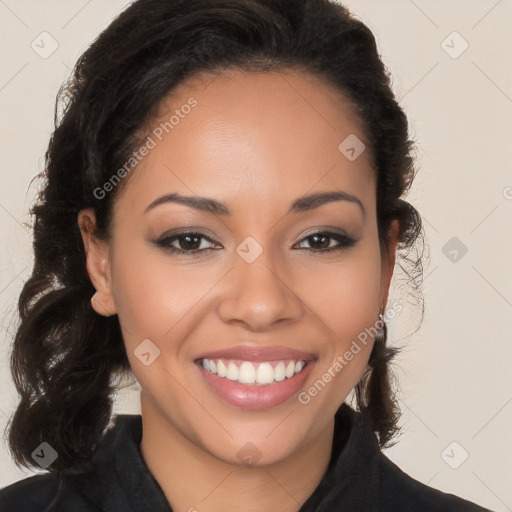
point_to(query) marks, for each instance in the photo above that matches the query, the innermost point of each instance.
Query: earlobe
(98, 264)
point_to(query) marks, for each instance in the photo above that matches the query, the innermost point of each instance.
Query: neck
(193, 480)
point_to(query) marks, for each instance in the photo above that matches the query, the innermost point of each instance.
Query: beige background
(455, 376)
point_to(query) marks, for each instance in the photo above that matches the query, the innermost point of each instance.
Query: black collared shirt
(359, 478)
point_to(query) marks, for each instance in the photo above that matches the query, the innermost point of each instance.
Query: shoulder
(34, 493)
(82, 488)
(399, 491)
(52, 492)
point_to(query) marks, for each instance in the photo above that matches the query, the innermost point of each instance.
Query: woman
(221, 217)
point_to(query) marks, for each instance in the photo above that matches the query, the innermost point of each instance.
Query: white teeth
(232, 372)
(221, 369)
(279, 372)
(265, 373)
(249, 373)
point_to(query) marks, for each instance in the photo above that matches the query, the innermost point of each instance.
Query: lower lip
(252, 396)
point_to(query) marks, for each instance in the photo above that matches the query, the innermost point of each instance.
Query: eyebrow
(301, 204)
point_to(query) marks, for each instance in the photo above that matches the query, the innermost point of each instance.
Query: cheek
(346, 295)
(151, 295)
(154, 300)
(348, 302)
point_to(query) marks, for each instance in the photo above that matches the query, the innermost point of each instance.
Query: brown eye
(185, 243)
(321, 242)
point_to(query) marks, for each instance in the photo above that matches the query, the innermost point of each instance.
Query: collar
(122, 480)
(351, 481)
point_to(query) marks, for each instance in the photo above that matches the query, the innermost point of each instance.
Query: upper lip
(258, 354)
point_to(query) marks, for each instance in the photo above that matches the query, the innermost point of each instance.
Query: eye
(188, 243)
(191, 243)
(321, 242)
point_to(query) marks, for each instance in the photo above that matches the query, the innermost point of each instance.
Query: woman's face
(258, 145)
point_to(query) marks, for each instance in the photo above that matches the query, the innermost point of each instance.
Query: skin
(255, 142)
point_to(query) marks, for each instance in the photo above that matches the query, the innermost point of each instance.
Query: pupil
(322, 246)
(187, 239)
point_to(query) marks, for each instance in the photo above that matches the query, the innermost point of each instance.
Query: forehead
(256, 135)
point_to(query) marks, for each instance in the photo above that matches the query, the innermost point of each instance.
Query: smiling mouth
(253, 373)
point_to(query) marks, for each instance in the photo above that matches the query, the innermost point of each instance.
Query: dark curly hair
(65, 357)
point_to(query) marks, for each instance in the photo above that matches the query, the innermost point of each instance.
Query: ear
(98, 264)
(388, 261)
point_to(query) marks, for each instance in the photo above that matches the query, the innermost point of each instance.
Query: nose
(259, 294)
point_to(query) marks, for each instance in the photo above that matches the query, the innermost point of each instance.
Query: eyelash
(345, 243)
